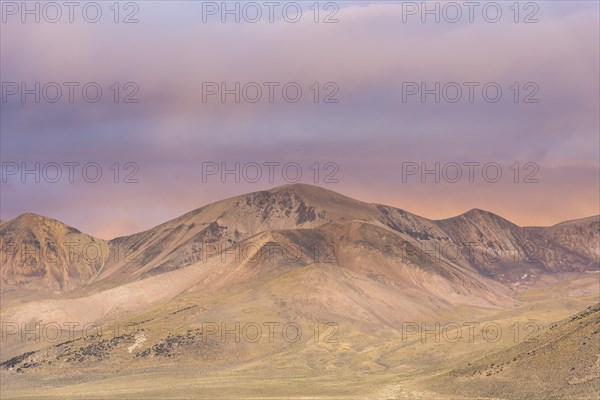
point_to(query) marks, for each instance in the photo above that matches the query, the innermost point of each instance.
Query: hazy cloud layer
(369, 133)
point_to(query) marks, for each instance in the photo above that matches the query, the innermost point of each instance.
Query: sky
(124, 117)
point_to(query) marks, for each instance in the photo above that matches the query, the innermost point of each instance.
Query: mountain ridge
(477, 240)
(292, 186)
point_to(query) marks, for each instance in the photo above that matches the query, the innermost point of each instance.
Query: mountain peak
(29, 216)
(44, 253)
(305, 188)
(32, 219)
(478, 211)
(337, 205)
(475, 214)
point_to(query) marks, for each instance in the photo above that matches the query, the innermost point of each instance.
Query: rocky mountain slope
(42, 253)
(563, 362)
(475, 242)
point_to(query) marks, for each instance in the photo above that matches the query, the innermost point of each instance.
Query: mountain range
(294, 253)
(311, 224)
